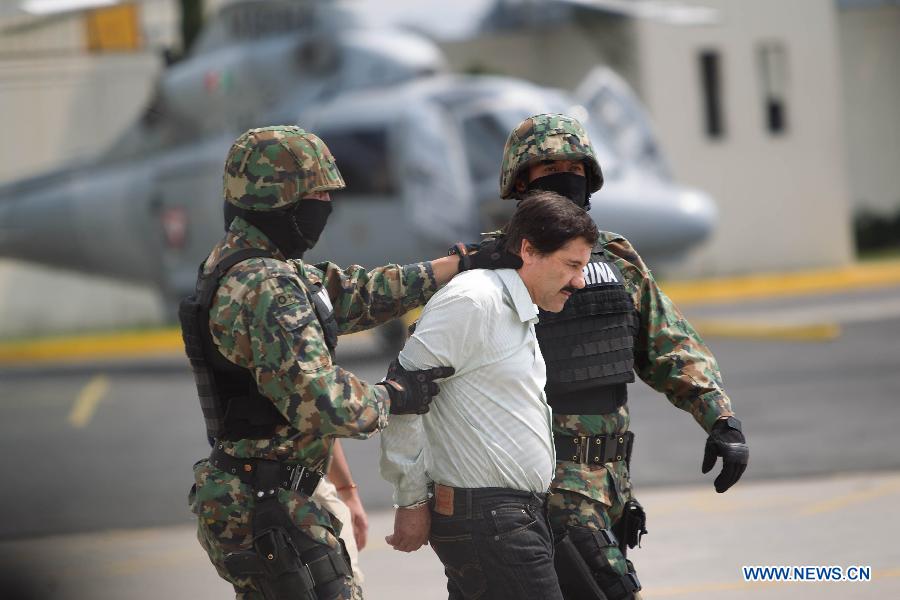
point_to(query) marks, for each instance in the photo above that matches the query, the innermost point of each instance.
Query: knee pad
(613, 572)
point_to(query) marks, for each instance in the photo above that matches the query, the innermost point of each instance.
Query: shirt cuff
(408, 496)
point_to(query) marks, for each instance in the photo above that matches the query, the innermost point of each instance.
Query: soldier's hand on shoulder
(412, 391)
(726, 440)
(489, 254)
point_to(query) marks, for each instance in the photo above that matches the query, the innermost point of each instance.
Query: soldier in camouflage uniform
(260, 334)
(621, 323)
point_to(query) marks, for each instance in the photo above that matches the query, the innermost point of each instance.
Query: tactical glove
(489, 254)
(726, 440)
(411, 391)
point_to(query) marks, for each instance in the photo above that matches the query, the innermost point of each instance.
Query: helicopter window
(363, 157)
(485, 138)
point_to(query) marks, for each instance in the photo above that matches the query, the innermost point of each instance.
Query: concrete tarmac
(97, 462)
(698, 543)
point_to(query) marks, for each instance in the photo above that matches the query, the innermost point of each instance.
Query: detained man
(471, 475)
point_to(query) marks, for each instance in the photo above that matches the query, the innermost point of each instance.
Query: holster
(285, 563)
(575, 577)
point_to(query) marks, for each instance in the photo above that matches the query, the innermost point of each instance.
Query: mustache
(569, 289)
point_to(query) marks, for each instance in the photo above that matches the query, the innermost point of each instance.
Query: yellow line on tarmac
(104, 345)
(816, 332)
(868, 275)
(841, 502)
(86, 404)
(777, 285)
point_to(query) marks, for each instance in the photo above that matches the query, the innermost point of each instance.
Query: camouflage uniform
(262, 319)
(669, 355)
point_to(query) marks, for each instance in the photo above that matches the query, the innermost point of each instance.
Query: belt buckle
(583, 448)
(297, 475)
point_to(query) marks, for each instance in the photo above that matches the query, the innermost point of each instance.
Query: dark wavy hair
(549, 221)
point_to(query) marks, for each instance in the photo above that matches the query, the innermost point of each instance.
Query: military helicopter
(419, 147)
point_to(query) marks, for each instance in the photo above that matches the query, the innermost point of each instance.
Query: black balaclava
(571, 185)
(294, 229)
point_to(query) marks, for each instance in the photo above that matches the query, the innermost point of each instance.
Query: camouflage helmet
(273, 167)
(547, 137)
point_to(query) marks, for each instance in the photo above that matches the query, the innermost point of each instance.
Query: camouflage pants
(569, 509)
(219, 538)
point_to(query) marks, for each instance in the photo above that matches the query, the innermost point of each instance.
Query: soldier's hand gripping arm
(412, 391)
(726, 440)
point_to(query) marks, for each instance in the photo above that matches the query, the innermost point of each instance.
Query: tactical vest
(233, 407)
(589, 345)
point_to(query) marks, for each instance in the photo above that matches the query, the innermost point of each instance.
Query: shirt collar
(521, 299)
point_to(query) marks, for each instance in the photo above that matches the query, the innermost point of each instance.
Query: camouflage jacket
(670, 357)
(262, 319)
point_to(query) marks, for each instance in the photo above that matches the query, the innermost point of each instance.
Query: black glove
(411, 391)
(726, 440)
(489, 254)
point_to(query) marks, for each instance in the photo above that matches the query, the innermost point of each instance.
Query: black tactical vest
(589, 345)
(233, 408)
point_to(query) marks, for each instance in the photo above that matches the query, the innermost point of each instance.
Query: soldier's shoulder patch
(284, 298)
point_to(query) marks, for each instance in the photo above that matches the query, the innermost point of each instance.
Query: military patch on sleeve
(290, 305)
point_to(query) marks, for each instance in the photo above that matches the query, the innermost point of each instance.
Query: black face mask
(294, 230)
(310, 217)
(570, 185)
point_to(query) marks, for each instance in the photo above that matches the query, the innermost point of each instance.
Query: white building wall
(870, 57)
(67, 108)
(783, 199)
(60, 104)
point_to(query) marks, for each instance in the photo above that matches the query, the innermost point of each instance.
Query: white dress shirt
(490, 426)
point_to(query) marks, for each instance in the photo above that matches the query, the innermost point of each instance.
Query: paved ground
(698, 542)
(98, 464)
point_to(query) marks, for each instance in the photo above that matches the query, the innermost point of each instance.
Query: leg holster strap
(594, 541)
(594, 547)
(575, 576)
(625, 586)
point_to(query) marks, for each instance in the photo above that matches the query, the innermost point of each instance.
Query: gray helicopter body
(420, 150)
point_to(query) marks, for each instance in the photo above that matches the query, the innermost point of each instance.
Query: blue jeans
(496, 545)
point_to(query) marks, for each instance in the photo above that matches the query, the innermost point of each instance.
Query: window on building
(711, 85)
(772, 61)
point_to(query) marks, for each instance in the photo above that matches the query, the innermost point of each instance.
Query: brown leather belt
(594, 449)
